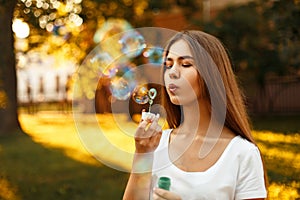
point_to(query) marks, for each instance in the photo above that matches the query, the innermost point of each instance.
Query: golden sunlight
(282, 192)
(20, 28)
(56, 131)
(60, 131)
(106, 135)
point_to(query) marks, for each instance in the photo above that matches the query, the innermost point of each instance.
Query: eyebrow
(181, 58)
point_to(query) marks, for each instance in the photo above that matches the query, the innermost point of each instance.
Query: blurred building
(42, 79)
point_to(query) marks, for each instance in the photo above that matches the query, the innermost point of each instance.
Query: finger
(148, 128)
(149, 120)
(156, 138)
(145, 129)
(157, 197)
(155, 132)
(147, 116)
(158, 194)
(140, 131)
(165, 194)
(154, 127)
(155, 119)
(143, 110)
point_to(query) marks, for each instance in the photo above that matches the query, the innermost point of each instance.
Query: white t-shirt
(237, 174)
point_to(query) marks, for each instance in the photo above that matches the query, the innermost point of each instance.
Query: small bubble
(154, 55)
(140, 95)
(122, 79)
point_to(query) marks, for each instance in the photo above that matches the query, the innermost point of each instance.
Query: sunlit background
(57, 41)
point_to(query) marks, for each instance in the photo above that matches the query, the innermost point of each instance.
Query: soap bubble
(133, 44)
(154, 55)
(111, 27)
(140, 95)
(122, 79)
(100, 61)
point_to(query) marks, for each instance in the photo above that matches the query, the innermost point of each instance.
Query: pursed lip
(172, 87)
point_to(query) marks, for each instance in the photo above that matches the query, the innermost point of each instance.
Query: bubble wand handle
(152, 94)
(150, 104)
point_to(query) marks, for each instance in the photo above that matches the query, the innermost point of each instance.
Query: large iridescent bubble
(100, 62)
(133, 43)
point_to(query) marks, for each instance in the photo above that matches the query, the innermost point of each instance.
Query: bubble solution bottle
(164, 183)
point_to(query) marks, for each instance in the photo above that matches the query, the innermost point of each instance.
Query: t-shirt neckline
(216, 164)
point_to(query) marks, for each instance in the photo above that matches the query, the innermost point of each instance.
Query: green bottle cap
(164, 183)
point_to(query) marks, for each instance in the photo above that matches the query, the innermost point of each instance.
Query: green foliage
(59, 25)
(283, 124)
(48, 19)
(286, 16)
(263, 37)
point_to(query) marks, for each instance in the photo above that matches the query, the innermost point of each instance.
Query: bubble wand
(152, 94)
(142, 97)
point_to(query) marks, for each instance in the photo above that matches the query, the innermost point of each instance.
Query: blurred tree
(55, 26)
(189, 8)
(75, 21)
(250, 38)
(8, 86)
(264, 41)
(286, 19)
(263, 37)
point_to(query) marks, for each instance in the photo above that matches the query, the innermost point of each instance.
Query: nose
(174, 73)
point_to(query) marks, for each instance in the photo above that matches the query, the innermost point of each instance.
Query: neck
(196, 117)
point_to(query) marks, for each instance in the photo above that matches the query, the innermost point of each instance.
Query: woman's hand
(148, 134)
(147, 137)
(161, 194)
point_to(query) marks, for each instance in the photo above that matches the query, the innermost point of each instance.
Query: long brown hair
(203, 45)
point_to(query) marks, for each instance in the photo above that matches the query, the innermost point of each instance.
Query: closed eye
(187, 65)
(183, 61)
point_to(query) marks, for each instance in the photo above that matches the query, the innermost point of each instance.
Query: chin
(174, 100)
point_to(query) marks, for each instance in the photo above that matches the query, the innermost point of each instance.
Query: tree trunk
(8, 82)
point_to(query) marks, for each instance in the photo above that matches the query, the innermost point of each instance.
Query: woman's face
(181, 76)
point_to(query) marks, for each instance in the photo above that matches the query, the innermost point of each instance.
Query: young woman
(208, 152)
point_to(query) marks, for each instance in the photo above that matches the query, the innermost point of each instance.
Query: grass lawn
(53, 160)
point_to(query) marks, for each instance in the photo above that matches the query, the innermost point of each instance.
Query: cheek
(166, 79)
(192, 79)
